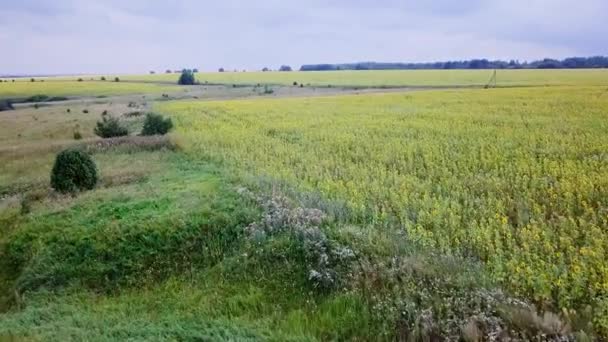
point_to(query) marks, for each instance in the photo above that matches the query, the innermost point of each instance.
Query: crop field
(24, 88)
(515, 177)
(397, 78)
(303, 214)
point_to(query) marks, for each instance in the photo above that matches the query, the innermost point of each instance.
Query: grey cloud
(138, 35)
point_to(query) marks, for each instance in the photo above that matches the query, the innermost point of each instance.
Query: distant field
(515, 177)
(72, 88)
(393, 78)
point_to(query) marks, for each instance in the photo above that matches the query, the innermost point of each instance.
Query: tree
(195, 70)
(221, 70)
(152, 72)
(168, 71)
(187, 78)
(74, 170)
(265, 69)
(285, 68)
(156, 124)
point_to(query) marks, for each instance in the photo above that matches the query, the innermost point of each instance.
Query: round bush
(156, 124)
(74, 170)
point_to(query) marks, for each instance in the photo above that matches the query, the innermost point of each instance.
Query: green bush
(156, 124)
(110, 127)
(187, 78)
(74, 170)
(77, 135)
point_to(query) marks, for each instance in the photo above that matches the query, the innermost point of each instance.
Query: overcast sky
(99, 36)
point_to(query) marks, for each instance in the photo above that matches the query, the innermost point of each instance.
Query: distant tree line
(547, 63)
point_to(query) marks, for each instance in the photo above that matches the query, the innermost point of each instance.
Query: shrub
(32, 80)
(77, 135)
(116, 79)
(74, 170)
(167, 71)
(110, 127)
(285, 68)
(220, 70)
(187, 78)
(86, 111)
(295, 83)
(68, 110)
(156, 124)
(80, 80)
(103, 78)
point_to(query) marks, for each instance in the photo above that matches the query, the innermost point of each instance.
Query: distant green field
(394, 78)
(73, 88)
(362, 78)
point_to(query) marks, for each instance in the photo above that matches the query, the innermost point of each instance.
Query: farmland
(396, 78)
(516, 177)
(356, 215)
(24, 88)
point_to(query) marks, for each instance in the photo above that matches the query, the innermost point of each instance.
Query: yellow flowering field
(515, 177)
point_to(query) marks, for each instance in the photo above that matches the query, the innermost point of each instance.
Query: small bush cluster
(156, 124)
(74, 170)
(110, 127)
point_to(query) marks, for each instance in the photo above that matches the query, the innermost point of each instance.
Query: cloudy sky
(98, 36)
